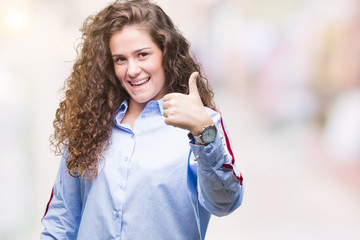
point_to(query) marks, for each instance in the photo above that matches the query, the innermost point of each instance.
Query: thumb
(193, 90)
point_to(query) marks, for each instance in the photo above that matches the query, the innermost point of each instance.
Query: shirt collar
(121, 112)
(154, 106)
(160, 104)
(150, 106)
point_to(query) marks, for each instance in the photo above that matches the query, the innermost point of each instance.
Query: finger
(166, 120)
(166, 105)
(166, 97)
(171, 96)
(193, 90)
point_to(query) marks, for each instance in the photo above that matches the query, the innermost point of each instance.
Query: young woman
(145, 155)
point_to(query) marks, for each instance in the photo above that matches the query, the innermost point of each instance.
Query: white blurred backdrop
(287, 81)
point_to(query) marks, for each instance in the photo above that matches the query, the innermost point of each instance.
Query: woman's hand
(187, 111)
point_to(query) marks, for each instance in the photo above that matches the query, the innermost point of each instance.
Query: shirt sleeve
(219, 183)
(63, 212)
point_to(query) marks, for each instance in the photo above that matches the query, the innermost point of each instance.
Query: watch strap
(197, 138)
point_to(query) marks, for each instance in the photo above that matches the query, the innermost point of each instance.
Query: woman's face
(138, 64)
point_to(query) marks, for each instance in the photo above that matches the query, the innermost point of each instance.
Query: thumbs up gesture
(186, 110)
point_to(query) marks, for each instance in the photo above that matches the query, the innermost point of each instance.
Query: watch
(207, 136)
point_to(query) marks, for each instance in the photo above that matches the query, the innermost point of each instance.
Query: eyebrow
(134, 52)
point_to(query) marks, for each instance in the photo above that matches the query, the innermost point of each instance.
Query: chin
(142, 100)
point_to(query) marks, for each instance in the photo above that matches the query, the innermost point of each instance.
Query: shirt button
(143, 116)
(117, 215)
(126, 159)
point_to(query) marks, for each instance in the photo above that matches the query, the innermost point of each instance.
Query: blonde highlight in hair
(85, 117)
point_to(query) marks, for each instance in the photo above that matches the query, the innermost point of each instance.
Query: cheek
(119, 72)
(158, 68)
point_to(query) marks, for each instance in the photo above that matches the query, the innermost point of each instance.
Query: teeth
(140, 82)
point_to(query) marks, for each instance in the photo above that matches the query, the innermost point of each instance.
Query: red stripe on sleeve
(228, 166)
(227, 142)
(48, 204)
(228, 146)
(226, 138)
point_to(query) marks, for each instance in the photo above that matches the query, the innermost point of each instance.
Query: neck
(133, 112)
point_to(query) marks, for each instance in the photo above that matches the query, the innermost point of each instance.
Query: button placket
(124, 166)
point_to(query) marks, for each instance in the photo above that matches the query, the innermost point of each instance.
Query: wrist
(199, 127)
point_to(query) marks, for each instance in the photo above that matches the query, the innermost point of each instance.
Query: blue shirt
(153, 184)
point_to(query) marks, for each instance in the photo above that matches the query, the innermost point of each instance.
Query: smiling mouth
(139, 83)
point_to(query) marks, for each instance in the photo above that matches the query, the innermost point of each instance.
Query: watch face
(209, 134)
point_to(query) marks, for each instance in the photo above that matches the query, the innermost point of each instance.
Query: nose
(133, 69)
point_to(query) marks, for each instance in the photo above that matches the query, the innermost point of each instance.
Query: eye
(143, 54)
(119, 59)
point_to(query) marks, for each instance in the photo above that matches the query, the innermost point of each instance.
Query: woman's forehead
(130, 38)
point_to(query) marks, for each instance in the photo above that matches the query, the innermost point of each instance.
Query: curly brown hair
(85, 117)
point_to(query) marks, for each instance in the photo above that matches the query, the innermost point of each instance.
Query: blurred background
(287, 80)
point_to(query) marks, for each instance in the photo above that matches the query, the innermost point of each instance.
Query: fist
(186, 110)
